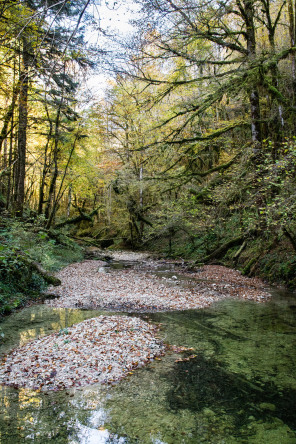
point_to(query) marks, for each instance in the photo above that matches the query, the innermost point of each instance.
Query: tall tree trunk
(69, 201)
(8, 116)
(44, 172)
(42, 184)
(248, 16)
(292, 30)
(52, 184)
(55, 164)
(5, 154)
(46, 165)
(271, 20)
(10, 176)
(22, 129)
(11, 140)
(60, 193)
(255, 118)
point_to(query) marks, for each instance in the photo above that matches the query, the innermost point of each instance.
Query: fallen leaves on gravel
(107, 348)
(84, 286)
(98, 350)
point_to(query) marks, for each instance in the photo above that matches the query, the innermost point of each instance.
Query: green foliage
(279, 266)
(20, 242)
(252, 200)
(174, 157)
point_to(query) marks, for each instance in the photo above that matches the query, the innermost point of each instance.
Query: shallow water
(240, 388)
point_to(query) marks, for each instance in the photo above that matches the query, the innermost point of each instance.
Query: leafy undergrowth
(279, 265)
(23, 243)
(243, 217)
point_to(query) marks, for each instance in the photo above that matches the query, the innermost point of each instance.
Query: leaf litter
(138, 290)
(108, 348)
(99, 350)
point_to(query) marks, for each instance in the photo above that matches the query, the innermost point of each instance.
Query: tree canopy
(192, 148)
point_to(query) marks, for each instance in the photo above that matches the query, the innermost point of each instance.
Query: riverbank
(29, 255)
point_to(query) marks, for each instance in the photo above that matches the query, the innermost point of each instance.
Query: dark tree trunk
(44, 173)
(292, 30)
(255, 118)
(8, 190)
(59, 194)
(22, 130)
(8, 116)
(55, 165)
(46, 163)
(248, 16)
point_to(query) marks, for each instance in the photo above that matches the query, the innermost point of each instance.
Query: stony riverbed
(107, 348)
(87, 285)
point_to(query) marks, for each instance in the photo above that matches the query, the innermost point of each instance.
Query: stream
(240, 388)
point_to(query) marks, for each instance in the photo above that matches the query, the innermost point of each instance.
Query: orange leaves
(178, 349)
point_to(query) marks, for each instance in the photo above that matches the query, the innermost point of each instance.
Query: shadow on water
(240, 388)
(203, 383)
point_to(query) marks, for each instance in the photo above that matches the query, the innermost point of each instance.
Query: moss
(22, 243)
(279, 266)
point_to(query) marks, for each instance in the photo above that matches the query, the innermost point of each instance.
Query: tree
(34, 37)
(216, 50)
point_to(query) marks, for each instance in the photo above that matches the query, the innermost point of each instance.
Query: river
(240, 388)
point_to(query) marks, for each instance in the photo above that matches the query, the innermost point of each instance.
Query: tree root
(221, 251)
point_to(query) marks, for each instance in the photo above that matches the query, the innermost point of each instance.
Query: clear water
(241, 387)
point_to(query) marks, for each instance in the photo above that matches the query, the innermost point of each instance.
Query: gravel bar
(99, 350)
(84, 285)
(107, 348)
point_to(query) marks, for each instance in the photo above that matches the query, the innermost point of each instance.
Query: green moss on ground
(20, 243)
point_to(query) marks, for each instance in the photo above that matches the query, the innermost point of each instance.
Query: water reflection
(87, 435)
(241, 387)
(30, 323)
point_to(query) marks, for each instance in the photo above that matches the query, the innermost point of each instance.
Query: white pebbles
(98, 350)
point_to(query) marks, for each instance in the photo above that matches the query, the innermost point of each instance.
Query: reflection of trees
(51, 415)
(36, 321)
(164, 398)
(42, 415)
(26, 413)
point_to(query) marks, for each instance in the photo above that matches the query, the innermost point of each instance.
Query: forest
(190, 152)
(147, 221)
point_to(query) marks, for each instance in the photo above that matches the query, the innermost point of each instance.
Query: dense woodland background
(191, 152)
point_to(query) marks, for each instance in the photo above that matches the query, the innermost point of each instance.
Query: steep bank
(29, 255)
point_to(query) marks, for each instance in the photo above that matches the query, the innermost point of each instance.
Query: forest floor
(107, 348)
